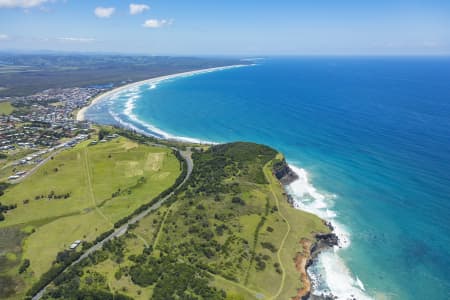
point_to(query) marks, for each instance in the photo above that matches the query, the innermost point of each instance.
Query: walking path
(283, 275)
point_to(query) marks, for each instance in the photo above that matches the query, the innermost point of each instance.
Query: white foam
(132, 93)
(129, 89)
(151, 130)
(329, 274)
(360, 284)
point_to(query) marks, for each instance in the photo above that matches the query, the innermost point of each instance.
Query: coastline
(310, 248)
(81, 113)
(317, 246)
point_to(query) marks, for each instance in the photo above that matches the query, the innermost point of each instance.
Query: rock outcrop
(324, 241)
(283, 173)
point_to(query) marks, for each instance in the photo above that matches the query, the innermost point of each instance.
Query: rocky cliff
(283, 173)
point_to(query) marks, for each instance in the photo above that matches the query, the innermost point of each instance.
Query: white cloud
(21, 3)
(4, 37)
(76, 39)
(154, 23)
(104, 12)
(138, 8)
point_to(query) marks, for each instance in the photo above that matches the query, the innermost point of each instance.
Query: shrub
(269, 246)
(237, 200)
(24, 266)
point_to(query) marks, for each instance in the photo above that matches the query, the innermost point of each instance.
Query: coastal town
(34, 127)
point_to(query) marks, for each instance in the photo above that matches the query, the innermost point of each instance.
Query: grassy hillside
(77, 195)
(229, 234)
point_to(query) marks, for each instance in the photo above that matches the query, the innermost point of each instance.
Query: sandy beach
(81, 113)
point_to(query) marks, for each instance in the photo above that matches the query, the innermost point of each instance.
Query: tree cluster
(173, 279)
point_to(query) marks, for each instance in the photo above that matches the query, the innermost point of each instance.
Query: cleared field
(78, 195)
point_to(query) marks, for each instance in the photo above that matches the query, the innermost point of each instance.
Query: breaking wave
(329, 274)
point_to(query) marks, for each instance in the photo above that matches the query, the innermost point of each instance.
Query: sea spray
(329, 275)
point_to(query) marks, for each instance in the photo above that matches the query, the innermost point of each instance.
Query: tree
(24, 266)
(102, 133)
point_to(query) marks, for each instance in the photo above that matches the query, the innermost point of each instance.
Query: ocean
(369, 138)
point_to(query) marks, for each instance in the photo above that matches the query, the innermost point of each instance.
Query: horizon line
(235, 55)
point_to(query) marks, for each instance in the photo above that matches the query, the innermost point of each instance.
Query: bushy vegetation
(4, 209)
(74, 286)
(3, 186)
(62, 261)
(169, 278)
(24, 266)
(172, 279)
(208, 227)
(222, 231)
(228, 161)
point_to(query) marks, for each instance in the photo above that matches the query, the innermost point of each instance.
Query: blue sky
(228, 27)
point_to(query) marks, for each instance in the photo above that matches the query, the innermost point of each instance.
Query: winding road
(123, 229)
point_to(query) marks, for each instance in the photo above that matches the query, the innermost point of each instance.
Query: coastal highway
(123, 229)
(45, 160)
(35, 168)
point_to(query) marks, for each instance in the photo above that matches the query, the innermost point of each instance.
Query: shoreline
(317, 246)
(324, 281)
(311, 249)
(81, 113)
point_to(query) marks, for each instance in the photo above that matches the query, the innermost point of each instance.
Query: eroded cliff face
(311, 249)
(283, 173)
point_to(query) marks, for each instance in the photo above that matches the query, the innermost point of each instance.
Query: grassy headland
(228, 234)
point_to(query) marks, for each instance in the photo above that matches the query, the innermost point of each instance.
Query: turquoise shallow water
(372, 136)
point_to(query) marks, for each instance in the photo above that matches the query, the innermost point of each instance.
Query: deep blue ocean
(370, 137)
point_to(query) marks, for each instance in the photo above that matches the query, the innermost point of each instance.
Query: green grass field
(231, 223)
(78, 195)
(8, 166)
(6, 108)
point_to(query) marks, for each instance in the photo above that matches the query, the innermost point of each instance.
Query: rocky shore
(283, 173)
(323, 241)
